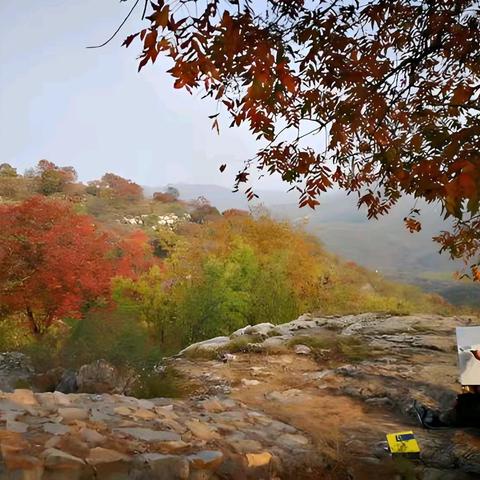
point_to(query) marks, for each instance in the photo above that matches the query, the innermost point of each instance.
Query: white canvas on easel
(468, 343)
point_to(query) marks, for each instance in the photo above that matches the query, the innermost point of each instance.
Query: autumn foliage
(133, 254)
(113, 186)
(235, 269)
(164, 197)
(388, 90)
(53, 260)
(96, 287)
(53, 179)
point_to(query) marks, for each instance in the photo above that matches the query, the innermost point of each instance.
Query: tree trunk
(33, 323)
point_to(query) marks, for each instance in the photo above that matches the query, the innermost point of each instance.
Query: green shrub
(354, 350)
(313, 342)
(14, 335)
(45, 351)
(201, 354)
(241, 344)
(171, 384)
(115, 336)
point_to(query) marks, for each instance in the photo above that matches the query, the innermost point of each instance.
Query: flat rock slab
(101, 455)
(163, 467)
(202, 430)
(69, 414)
(293, 441)
(208, 459)
(55, 428)
(55, 458)
(148, 435)
(23, 397)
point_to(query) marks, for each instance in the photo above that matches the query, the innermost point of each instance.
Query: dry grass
(337, 347)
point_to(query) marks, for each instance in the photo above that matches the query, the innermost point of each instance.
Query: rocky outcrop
(68, 382)
(96, 377)
(212, 344)
(103, 377)
(15, 368)
(349, 380)
(309, 399)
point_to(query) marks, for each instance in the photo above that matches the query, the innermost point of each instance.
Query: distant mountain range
(223, 198)
(383, 245)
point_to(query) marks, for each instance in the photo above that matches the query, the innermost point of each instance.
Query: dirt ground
(347, 408)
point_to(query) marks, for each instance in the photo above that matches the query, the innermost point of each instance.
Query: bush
(45, 351)
(203, 211)
(171, 383)
(115, 336)
(164, 197)
(221, 300)
(14, 335)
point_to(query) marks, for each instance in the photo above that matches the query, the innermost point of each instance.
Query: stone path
(55, 436)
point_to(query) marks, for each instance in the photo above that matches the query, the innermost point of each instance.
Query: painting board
(468, 341)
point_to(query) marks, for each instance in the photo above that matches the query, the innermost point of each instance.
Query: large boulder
(207, 346)
(102, 377)
(15, 369)
(47, 381)
(68, 382)
(56, 379)
(261, 330)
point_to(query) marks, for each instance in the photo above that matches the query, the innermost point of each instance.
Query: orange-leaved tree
(390, 89)
(133, 253)
(115, 187)
(53, 179)
(53, 260)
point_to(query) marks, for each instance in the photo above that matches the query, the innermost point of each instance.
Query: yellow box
(402, 442)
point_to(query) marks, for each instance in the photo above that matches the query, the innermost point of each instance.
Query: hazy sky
(91, 109)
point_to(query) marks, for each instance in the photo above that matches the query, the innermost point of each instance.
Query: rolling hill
(383, 245)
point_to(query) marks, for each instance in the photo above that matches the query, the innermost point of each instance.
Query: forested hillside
(384, 244)
(99, 271)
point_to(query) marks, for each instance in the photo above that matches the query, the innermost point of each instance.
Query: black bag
(467, 410)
